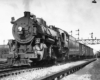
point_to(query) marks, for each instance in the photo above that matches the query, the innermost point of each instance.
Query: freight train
(35, 41)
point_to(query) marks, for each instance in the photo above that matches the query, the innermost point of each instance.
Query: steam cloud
(27, 4)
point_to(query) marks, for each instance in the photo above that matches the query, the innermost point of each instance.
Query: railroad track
(16, 71)
(4, 72)
(8, 71)
(59, 75)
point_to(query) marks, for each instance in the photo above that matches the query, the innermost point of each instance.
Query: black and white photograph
(49, 39)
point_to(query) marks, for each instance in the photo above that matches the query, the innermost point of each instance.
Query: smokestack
(26, 14)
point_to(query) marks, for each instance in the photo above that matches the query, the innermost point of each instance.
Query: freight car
(97, 54)
(35, 41)
(78, 50)
(73, 48)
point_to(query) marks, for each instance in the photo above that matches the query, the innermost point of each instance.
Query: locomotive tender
(60, 46)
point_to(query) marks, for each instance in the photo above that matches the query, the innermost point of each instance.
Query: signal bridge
(89, 41)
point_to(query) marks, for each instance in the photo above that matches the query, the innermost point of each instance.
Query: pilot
(39, 48)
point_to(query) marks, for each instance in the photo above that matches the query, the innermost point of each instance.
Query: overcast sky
(65, 14)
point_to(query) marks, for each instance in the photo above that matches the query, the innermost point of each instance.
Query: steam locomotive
(59, 45)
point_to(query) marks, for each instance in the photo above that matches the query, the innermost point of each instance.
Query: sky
(68, 15)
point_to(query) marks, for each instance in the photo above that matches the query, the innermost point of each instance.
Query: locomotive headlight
(20, 28)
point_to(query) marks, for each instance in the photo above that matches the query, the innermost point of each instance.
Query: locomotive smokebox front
(26, 14)
(23, 28)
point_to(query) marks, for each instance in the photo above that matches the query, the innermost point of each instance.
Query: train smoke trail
(27, 4)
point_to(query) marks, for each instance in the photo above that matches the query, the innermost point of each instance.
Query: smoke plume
(27, 4)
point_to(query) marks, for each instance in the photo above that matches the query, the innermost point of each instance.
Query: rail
(61, 74)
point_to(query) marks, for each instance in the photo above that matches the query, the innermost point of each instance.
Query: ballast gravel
(89, 72)
(37, 74)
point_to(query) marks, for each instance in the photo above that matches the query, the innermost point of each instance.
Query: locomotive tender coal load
(35, 41)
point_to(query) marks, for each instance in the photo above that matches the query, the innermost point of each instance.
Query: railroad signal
(91, 41)
(71, 32)
(4, 43)
(92, 35)
(78, 33)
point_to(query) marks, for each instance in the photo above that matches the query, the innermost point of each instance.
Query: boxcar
(85, 51)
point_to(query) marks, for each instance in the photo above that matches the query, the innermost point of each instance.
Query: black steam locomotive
(35, 41)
